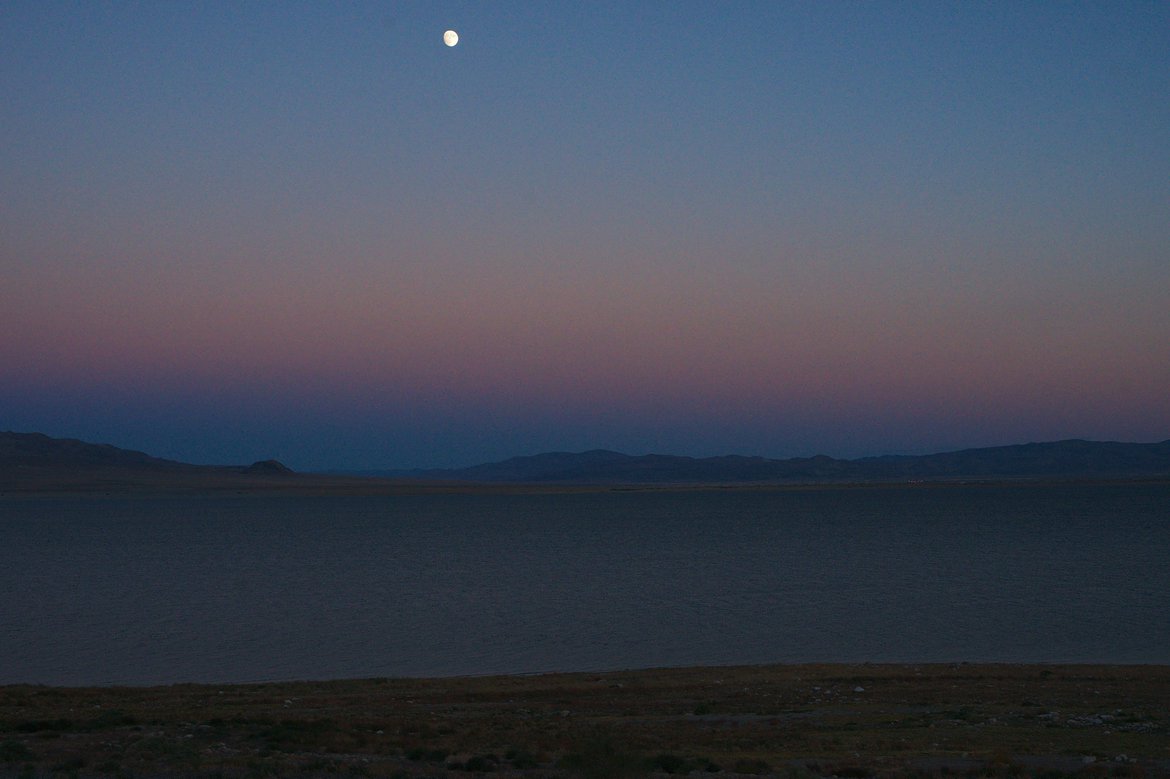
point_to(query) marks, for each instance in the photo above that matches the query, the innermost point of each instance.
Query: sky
(312, 231)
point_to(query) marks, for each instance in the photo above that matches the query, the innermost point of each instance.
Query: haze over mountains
(29, 460)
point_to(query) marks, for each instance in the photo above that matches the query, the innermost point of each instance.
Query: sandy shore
(805, 720)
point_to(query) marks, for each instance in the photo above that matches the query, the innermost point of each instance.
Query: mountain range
(1072, 459)
(32, 461)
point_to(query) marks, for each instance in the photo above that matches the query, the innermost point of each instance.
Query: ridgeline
(32, 462)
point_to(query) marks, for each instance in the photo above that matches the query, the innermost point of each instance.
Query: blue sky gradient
(312, 231)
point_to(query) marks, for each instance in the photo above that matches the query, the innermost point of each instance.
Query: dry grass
(865, 720)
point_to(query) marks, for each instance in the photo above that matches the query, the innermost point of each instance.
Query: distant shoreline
(311, 485)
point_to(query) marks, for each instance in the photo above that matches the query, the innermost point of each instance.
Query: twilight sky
(311, 231)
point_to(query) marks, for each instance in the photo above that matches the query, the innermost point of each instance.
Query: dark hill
(268, 466)
(1061, 459)
(31, 462)
(34, 450)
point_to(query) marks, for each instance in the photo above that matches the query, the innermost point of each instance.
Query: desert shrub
(261, 769)
(480, 763)
(800, 771)
(70, 766)
(418, 754)
(602, 757)
(14, 751)
(110, 767)
(41, 726)
(746, 766)
(521, 759)
(110, 718)
(708, 765)
(671, 764)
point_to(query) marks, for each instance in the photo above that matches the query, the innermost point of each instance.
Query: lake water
(138, 590)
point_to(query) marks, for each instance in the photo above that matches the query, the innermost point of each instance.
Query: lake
(150, 590)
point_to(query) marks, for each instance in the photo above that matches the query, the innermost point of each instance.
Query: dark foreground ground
(790, 721)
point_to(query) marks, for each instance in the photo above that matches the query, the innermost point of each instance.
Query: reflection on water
(141, 590)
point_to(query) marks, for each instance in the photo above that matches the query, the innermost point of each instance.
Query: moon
(450, 37)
